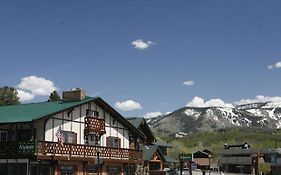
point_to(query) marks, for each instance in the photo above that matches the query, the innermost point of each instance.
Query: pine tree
(54, 96)
(8, 96)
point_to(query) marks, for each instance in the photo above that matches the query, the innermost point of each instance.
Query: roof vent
(76, 94)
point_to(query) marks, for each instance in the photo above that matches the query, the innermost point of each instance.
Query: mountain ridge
(196, 119)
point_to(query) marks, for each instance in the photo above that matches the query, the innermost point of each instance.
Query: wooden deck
(53, 150)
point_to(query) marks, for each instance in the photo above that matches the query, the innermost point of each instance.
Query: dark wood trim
(16, 132)
(122, 161)
(68, 120)
(53, 131)
(124, 139)
(71, 123)
(104, 113)
(80, 124)
(60, 158)
(44, 128)
(62, 121)
(10, 133)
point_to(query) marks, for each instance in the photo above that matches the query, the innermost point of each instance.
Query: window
(13, 168)
(67, 170)
(154, 166)
(24, 135)
(130, 169)
(3, 135)
(69, 137)
(114, 170)
(92, 168)
(92, 113)
(113, 142)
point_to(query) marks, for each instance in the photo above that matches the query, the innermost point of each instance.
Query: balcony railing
(95, 125)
(53, 149)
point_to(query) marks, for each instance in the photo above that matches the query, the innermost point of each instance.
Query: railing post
(84, 150)
(54, 148)
(70, 151)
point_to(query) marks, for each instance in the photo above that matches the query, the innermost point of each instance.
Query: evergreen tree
(8, 96)
(54, 96)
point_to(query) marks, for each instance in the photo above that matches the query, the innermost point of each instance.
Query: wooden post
(190, 168)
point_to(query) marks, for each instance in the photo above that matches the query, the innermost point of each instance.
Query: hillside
(192, 120)
(215, 140)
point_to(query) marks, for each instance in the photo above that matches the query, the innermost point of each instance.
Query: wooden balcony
(54, 151)
(94, 125)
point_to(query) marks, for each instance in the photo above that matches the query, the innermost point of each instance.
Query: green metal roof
(148, 151)
(33, 111)
(136, 121)
(141, 124)
(170, 160)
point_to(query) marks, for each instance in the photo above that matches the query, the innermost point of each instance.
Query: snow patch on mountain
(263, 121)
(227, 112)
(194, 119)
(272, 105)
(193, 113)
(255, 112)
(247, 121)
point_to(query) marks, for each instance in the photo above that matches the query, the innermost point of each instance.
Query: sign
(26, 147)
(184, 157)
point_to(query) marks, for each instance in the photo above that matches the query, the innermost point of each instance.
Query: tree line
(9, 96)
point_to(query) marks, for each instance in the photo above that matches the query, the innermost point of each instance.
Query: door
(67, 170)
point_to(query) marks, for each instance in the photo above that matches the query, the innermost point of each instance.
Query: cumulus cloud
(32, 86)
(258, 99)
(200, 102)
(188, 83)
(276, 65)
(141, 44)
(25, 96)
(128, 105)
(36, 85)
(152, 114)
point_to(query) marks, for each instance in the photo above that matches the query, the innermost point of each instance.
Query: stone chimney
(73, 95)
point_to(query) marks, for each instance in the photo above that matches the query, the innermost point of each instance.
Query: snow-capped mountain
(192, 119)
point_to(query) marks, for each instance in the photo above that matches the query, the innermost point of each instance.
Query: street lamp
(98, 156)
(209, 156)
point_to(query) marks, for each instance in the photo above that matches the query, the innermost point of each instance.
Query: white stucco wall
(75, 123)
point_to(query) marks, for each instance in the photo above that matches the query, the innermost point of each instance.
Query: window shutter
(75, 138)
(119, 143)
(108, 141)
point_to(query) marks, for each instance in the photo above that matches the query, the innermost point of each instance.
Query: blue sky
(143, 51)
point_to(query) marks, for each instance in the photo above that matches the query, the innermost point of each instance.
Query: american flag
(60, 136)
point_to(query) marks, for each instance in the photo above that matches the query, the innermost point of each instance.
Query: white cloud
(141, 44)
(188, 83)
(128, 105)
(200, 102)
(37, 85)
(152, 114)
(276, 65)
(25, 96)
(259, 99)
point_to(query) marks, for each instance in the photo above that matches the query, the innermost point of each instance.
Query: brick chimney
(73, 95)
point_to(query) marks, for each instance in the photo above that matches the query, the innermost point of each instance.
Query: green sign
(26, 147)
(184, 157)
